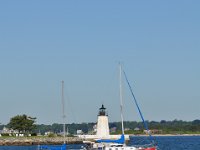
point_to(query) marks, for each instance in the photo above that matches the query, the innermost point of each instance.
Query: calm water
(164, 143)
(171, 143)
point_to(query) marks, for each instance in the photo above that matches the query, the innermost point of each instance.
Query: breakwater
(7, 141)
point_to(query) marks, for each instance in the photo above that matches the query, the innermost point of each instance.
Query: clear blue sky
(81, 42)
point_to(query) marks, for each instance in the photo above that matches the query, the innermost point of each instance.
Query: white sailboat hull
(114, 146)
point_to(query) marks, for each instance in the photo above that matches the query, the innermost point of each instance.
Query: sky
(82, 42)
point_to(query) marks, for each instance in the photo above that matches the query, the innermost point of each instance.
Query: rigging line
(145, 124)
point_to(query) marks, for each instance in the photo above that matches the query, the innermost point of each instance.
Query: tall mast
(63, 111)
(121, 98)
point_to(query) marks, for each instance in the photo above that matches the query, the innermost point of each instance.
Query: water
(164, 143)
(171, 142)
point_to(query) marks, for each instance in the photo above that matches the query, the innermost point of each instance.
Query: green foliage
(1, 127)
(22, 123)
(57, 128)
(33, 134)
(4, 134)
(167, 127)
(51, 135)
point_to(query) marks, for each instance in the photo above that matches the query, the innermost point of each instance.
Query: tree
(163, 122)
(22, 123)
(196, 122)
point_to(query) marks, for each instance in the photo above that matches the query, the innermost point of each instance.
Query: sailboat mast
(63, 111)
(121, 97)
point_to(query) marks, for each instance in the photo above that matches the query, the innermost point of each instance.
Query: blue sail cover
(57, 147)
(121, 140)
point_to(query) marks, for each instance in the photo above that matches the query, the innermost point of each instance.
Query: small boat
(119, 144)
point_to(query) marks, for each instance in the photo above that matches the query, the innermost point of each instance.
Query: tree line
(26, 124)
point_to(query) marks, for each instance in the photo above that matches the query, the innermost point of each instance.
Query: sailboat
(63, 146)
(119, 144)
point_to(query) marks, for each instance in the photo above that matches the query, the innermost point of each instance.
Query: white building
(8, 131)
(102, 123)
(79, 132)
(102, 128)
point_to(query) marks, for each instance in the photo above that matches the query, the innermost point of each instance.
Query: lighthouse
(102, 123)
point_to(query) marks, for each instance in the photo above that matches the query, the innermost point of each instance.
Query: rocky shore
(8, 141)
(38, 140)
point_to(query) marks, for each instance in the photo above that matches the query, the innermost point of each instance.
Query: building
(8, 131)
(102, 123)
(102, 128)
(79, 132)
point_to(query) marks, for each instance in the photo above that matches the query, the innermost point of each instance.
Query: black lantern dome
(102, 111)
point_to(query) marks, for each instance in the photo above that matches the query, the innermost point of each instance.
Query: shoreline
(28, 141)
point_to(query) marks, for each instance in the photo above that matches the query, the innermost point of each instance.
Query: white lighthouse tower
(102, 124)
